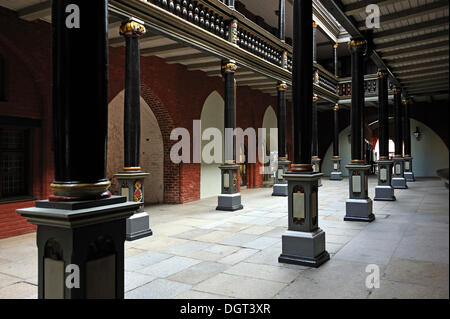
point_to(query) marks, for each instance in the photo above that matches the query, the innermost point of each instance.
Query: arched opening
(429, 152)
(212, 116)
(152, 148)
(270, 147)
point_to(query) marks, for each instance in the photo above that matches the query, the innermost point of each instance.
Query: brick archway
(165, 122)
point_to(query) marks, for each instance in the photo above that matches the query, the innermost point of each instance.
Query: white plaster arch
(152, 149)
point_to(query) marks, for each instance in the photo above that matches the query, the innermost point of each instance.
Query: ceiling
(413, 41)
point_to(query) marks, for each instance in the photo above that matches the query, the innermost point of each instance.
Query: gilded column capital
(229, 66)
(132, 28)
(357, 45)
(282, 86)
(336, 107)
(314, 24)
(381, 73)
(335, 45)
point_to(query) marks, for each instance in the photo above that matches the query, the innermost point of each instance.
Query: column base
(304, 248)
(229, 202)
(138, 226)
(399, 183)
(409, 176)
(336, 176)
(359, 210)
(384, 193)
(280, 190)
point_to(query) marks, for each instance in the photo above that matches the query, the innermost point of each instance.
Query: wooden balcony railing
(370, 86)
(207, 24)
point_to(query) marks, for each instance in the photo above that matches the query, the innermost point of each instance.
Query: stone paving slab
(198, 252)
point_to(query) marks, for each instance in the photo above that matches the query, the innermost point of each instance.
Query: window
(2, 79)
(13, 162)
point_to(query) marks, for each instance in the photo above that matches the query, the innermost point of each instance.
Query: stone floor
(197, 252)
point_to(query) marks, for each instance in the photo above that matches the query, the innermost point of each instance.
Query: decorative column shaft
(132, 30)
(359, 205)
(228, 70)
(336, 131)
(409, 174)
(398, 181)
(82, 226)
(282, 20)
(230, 199)
(384, 190)
(383, 115)
(335, 59)
(315, 133)
(357, 50)
(314, 41)
(280, 188)
(304, 242)
(398, 139)
(131, 180)
(281, 119)
(406, 128)
(302, 87)
(336, 174)
(80, 125)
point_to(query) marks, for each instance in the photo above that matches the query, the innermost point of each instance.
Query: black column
(228, 70)
(383, 115)
(80, 98)
(336, 131)
(302, 86)
(398, 122)
(282, 20)
(132, 107)
(281, 119)
(357, 50)
(315, 133)
(335, 59)
(406, 129)
(314, 41)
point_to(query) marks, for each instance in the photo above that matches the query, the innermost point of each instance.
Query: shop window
(13, 163)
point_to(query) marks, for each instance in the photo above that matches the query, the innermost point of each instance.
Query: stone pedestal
(336, 174)
(384, 191)
(131, 185)
(409, 174)
(359, 205)
(316, 168)
(230, 198)
(81, 243)
(398, 179)
(281, 186)
(304, 242)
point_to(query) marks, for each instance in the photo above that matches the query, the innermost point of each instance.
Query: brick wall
(26, 49)
(174, 94)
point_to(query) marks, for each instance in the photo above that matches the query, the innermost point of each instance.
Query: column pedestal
(304, 242)
(316, 168)
(336, 174)
(131, 185)
(409, 174)
(384, 191)
(87, 234)
(359, 205)
(281, 186)
(230, 199)
(398, 179)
